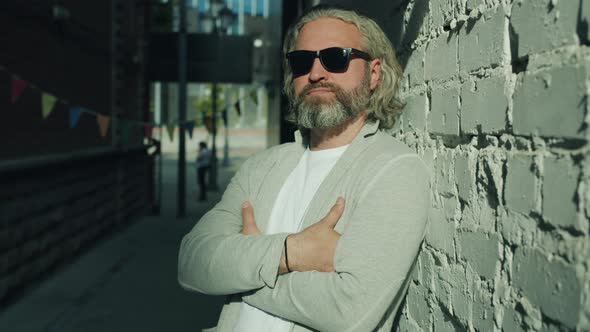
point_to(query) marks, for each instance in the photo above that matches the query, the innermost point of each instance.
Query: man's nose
(317, 72)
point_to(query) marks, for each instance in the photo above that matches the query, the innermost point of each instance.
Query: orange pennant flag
(103, 124)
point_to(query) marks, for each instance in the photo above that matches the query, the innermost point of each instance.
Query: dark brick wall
(50, 213)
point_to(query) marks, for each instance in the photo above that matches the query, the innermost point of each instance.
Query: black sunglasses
(333, 59)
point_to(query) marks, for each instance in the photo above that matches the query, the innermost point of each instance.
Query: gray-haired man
(319, 234)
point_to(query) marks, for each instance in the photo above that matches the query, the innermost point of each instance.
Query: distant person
(320, 234)
(203, 165)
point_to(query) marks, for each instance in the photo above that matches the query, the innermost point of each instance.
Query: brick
(441, 58)
(560, 180)
(473, 4)
(519, 190)
(442, 11)
(427, 268)
(415, 113)
(408, 325)
(481, 252)
(483, 311)
(465, 165)
(484, 106)
(517, 228)
(478, 214)
(462, 302)
(531, 316)
(414, 71)
(444, 115)
(442, 289)
(551, 103)
(443, 321)
(440, 232)
(543, 25)
(481, 44)
(511, 320)
(418, 306)
(443, 174)
(450, 207)
(553, 286)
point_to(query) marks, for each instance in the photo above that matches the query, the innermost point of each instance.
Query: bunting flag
(48, 102)
(170, 130)
(224, 117)
(208, 121)
(125, 127)
(237, 106)
(148, 130)
(17, 88)
(103, 122)
(189, 126)
(254, 96)
(75, 113)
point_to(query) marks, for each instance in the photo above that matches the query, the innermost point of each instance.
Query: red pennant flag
(148, 130)
(17, 88)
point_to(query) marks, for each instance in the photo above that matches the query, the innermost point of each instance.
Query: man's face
(326, 99)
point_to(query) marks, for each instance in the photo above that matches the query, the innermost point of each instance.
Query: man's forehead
(327, 32)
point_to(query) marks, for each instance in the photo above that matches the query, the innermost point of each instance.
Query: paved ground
(127, 282)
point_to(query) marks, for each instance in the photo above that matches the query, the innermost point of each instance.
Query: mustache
(307, 88)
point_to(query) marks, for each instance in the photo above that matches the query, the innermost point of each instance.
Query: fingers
(335, 212)
(247, 214)
(249, 223)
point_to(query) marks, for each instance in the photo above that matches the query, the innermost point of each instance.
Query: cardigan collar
(368, 129)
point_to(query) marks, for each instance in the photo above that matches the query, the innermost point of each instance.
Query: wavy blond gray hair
(383, 104)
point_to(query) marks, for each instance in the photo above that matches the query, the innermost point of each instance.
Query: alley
(126, 282)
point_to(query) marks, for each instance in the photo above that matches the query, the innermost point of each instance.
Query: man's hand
(313, 248)
(309, 250)
(249, 224)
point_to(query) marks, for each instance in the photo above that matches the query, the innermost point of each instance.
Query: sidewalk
(127, 282)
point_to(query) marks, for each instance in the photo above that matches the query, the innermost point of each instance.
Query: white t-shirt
(286, 217)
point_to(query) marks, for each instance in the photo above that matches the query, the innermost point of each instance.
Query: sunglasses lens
(301, 61)
(334, 59)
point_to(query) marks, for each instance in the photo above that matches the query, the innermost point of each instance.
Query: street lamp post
(181, 194)
(219, 18)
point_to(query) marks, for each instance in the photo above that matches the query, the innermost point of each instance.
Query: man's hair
(383, 104)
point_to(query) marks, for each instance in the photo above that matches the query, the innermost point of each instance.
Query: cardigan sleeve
(216, 259)
(373, 257)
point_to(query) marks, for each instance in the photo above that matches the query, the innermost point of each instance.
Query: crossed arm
(369, 263)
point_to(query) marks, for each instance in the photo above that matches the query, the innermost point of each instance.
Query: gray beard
(314, 112)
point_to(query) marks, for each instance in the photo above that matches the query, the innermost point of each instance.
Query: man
(319, 234)
(203, 164)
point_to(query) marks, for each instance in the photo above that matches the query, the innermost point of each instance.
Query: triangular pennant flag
(170, 130)
(237, 106)
(75, 113)
(224, 117)
(47, 103)
(103, 124)
(189, 126)
(208, 122)
(148, 130)
(254, 96)
(17, 88)
(125, 129)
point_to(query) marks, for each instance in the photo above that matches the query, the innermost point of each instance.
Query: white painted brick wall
(497, 105)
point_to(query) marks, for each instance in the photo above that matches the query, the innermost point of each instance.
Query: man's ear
(375, 71)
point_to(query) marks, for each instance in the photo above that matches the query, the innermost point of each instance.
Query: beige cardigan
(386, 189)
